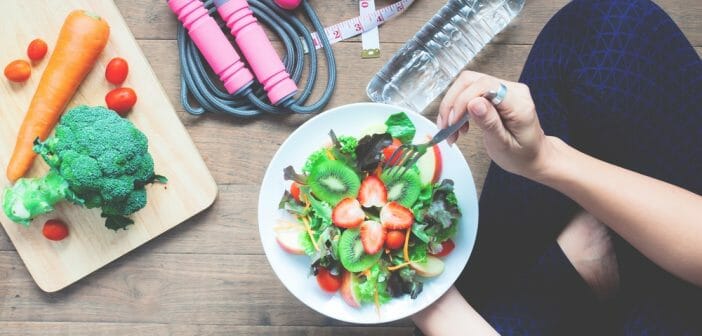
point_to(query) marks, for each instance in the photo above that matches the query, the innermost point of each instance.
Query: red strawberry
(396, 217)
(348, 213)
(372, 192)
(372, 236)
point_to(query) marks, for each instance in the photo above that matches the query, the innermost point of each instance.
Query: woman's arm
(452, 315)
(662, 221)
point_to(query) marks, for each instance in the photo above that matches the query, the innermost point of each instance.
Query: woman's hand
(511, 131)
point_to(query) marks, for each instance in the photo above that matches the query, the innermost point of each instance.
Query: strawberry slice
(372, 192)
(396, 217)
(348, 213)
(372, 236)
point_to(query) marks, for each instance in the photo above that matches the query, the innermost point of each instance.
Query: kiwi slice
(351, 252)
(331, 181)
(403, 189)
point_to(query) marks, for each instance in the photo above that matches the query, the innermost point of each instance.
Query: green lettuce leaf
(401, 127)
(366, 286)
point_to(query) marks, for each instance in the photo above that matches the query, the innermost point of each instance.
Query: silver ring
(496, 97)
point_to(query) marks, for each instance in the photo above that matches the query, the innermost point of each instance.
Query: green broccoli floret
(98, 159)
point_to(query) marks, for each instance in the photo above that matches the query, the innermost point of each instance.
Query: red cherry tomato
(327, 281)
(121, 100)
(387, 152)
(395, 239)
(117, 70)
(55, 229)
(446, 248)
(18, 71)
(295, 191)
(37, 49)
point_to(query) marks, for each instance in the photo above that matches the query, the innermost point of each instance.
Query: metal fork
(407, 155)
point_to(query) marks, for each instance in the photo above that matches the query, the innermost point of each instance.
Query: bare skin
(631, 204)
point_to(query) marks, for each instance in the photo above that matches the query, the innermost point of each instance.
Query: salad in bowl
(368, 237)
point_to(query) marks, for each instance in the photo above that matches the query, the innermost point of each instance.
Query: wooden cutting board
(191, 188)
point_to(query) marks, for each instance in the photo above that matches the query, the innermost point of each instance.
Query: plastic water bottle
(427, 63)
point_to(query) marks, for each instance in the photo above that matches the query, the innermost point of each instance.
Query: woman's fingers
(486, 117)
(465, 79)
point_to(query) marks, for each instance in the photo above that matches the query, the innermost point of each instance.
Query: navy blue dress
(619, 81)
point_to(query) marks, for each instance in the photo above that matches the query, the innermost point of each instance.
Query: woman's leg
(617, 80)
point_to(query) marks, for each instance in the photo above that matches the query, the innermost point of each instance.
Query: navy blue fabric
(617, 80)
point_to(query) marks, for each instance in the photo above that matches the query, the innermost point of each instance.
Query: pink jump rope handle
(257, 49)
(288, 4)
(213, 44)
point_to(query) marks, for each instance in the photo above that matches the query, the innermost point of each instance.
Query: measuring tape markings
(360, 24)
(370, 40)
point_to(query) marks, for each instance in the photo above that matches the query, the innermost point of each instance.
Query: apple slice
(430, 268)
(287, 234)
(348, 290)
(430, 165)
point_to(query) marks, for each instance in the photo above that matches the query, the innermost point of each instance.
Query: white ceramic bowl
(293, 270)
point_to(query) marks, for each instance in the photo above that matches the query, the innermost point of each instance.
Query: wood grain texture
(208, 276)
(55, 265)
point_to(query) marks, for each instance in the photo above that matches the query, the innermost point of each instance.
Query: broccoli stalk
(96, 159)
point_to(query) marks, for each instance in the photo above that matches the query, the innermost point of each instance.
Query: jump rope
(201, 40)
(276, 89)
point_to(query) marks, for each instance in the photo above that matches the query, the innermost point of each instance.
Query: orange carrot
(81, 40)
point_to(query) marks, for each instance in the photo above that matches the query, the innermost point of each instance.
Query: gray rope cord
(252, 101)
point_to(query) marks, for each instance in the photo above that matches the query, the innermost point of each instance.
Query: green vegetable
(314, 158)
(437, 218)
(369, 151)
(97, 159)
(348, 144)
(377, 279)
(401, 127)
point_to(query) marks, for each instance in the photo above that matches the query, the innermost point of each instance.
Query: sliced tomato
(387, 152)
(348, 213)
(446, 247)
(295, 191)
(396, 217)
(372, 236)
(372, 192)
(327, 281)
(395, 239)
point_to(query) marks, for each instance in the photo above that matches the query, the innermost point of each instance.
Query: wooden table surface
(209, 276)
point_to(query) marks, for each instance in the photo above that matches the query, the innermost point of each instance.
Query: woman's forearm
(661, 220)
(452, 315)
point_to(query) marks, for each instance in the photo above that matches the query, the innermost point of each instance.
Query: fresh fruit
(328, 282)
(430, 268)
(37, 49)
(352, 253)
(394, 216)
(82, 38)
(55, 229)
(288, 237)
(117, 70)
(348, 290)
(372, 236)
(18, 71)
(430, 165)
(295, 191)
(348, 213)
(373, 129)
(402, 189)
(394, 239)
(372, 192)
(446, 247)
(331, 181)
(389, 150)
(121, 100)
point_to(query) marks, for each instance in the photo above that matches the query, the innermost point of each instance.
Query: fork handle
(446, 132)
